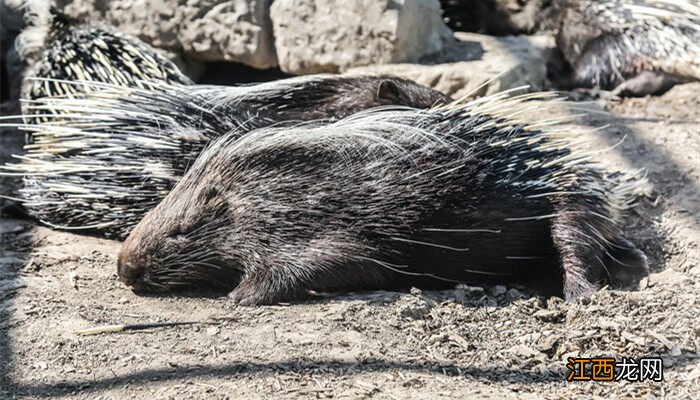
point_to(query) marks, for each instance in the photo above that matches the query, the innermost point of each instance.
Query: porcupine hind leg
(592, 252)
(647, 83)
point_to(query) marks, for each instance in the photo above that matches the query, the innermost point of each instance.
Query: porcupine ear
(388, 91)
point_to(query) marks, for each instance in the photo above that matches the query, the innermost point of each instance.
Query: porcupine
(116, 152)
(387, 199)
(67, 50)
(56, 50)
(102, 154)
(634, 48)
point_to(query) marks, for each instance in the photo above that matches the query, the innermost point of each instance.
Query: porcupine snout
(131, 271)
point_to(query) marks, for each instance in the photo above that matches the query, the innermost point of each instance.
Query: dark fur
(383, 200)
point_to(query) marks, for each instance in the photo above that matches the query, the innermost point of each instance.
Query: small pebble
(498, 290)
(212, 331)
(513, 294)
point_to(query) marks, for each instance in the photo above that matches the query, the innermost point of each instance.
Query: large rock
(238, 30)
(16, 14)
(471, 67)
(208, 30)
(314, 36)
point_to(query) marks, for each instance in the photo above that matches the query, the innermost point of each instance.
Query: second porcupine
(635, 47)
(388, 199)
(117, 151)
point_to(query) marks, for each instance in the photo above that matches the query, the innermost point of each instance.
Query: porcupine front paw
(246, 296)
(625, 264)
(264, 289)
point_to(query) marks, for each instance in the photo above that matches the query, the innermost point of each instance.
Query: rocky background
(405, 37)
(490, 342)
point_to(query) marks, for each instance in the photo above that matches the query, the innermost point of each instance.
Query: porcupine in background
(57, 50)
(635, 47)
(73, 51)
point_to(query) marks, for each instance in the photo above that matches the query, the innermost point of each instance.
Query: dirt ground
(493, 342)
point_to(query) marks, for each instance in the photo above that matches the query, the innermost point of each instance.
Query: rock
(212, 331)
(547, 343)
(238, 30)
(314, 36)
(209, 30)
(18, 42)
(16, 14)
(524, 352)
(498, 290)
(73, 279)
(513, 294)
(549, 315)
(416, 305)
(520, 61)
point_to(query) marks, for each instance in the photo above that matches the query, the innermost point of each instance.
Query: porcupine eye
(176, 232)
(211, 193)
(183, 229)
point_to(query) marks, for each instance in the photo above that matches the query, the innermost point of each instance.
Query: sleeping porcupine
(636, 47)
(102, 156)
(387, 198)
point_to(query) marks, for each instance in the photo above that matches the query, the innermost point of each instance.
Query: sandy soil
(493, 342)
